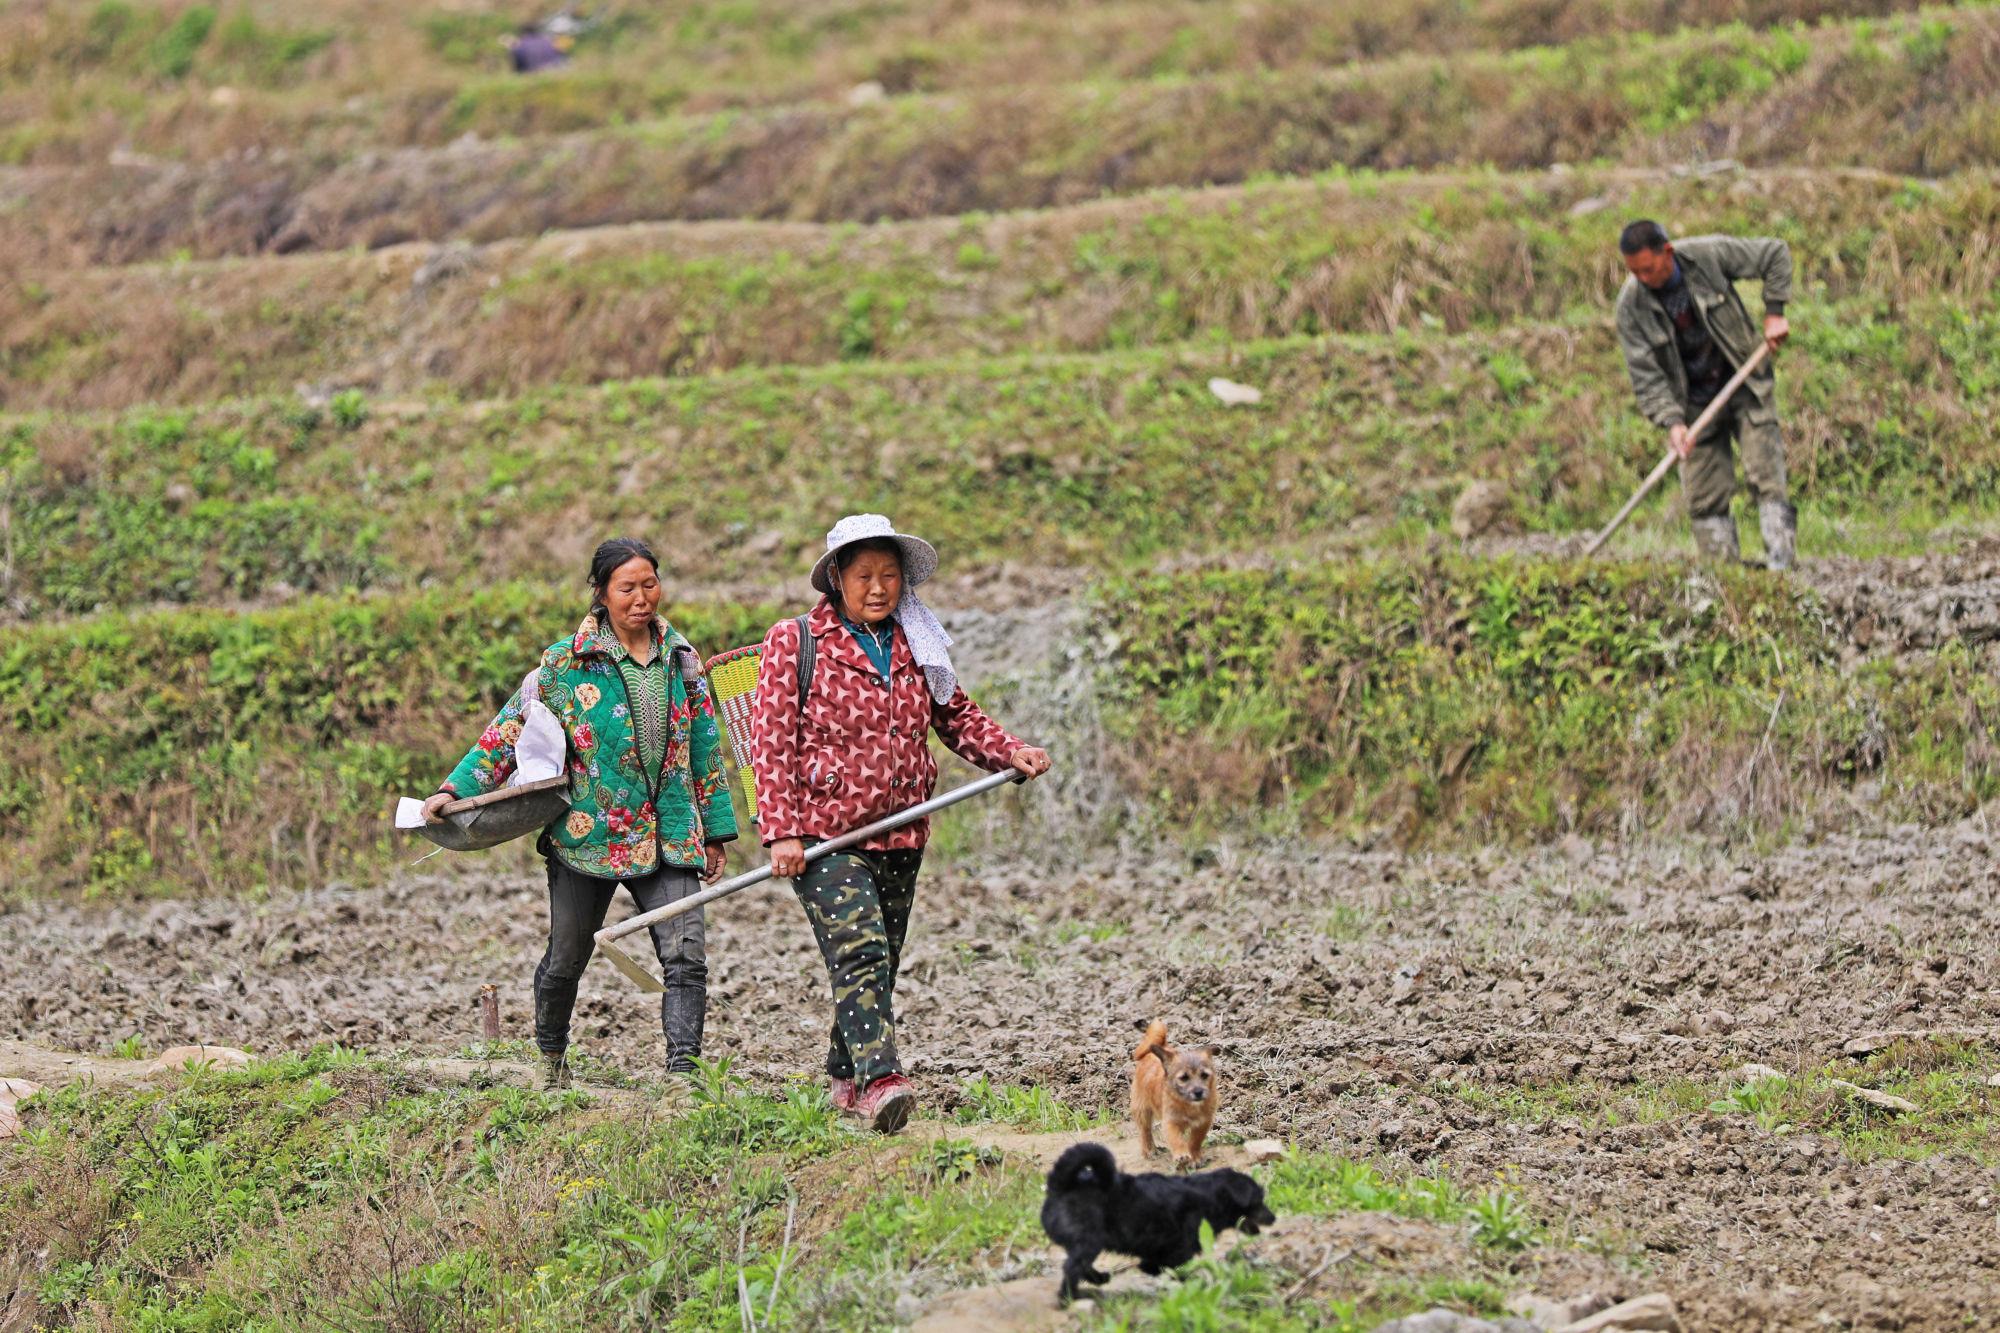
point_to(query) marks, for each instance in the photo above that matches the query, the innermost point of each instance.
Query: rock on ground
(1450, 1321)
(1652, 1313)
(1480, 508)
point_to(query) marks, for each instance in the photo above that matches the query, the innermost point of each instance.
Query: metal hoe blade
(625, 963)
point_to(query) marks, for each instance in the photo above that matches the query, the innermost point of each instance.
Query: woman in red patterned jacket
(855, 752)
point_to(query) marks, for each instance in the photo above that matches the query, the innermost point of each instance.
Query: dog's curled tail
(1155, 1038)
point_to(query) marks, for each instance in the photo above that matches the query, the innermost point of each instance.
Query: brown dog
(1177, 1088)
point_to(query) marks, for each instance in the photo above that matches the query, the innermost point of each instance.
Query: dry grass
(1361, 255)
(1883, 97)
(77, 89)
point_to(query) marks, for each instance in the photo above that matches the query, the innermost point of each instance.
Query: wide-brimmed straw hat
(920, 558)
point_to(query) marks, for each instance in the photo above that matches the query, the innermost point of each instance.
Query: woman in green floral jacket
(649, 795)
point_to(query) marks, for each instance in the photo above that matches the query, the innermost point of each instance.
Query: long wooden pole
(1701, 422)
(607, 938)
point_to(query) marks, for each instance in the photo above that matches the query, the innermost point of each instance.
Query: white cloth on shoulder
(540, 748)
(929, 644)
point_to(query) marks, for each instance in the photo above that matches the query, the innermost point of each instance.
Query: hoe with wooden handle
(1751, 363)
(644, 980)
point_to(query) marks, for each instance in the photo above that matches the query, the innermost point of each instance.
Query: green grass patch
(1103, 462)
(239, 751)
(1523, 699)
(1956, 1112)
(1029, 1108)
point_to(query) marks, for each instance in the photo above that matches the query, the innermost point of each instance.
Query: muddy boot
(555, 1071)
(885, 1105)
(1779, 522)
(683, 1007)
(1715, 539)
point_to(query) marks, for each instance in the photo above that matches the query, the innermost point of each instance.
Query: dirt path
(1578, 967)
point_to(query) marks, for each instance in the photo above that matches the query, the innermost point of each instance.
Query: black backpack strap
(806, 648)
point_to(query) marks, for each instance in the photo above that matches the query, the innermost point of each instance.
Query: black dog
(1092, 1207)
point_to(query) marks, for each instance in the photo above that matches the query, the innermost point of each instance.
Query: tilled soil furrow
(1368, 1003)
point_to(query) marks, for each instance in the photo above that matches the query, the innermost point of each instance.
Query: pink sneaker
(887, 1103)
(842, 1092)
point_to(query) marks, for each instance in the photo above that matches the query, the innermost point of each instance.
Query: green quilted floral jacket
(622, 820)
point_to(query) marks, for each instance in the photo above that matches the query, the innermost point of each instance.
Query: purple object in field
(534, 52)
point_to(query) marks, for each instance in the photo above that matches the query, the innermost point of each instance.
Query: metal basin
(501, 816)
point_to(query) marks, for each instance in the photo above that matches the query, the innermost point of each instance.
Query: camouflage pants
(1708, 477)
(859, 906)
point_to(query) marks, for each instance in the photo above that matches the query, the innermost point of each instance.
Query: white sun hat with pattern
(920, 558)
(929, 644)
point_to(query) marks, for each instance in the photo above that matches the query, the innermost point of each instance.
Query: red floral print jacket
(860, 752)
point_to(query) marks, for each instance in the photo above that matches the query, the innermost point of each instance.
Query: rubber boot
(1715, 539)
(1779, 522)
(555, 1071)
(683, 1010)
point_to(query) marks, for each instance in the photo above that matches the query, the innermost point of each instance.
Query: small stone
(1652, 1313)
(1438, 1321)
(1753, 1070)
(1993, 1081)
(1719, 1021)
(1479, 509)
(1886, 1101)
(224, 96)
(179, 1057)
(10, 1120)
(1408, 977)
(1389, 1131)
(1232, 394)
(1867, 1044)
(17, 1089)
(1547, 1312)
(866, 93)
(1264, 1150)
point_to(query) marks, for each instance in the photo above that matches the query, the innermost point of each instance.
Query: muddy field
(1355, 994)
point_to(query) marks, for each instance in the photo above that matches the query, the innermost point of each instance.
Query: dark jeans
(859, 905)
(577, 904)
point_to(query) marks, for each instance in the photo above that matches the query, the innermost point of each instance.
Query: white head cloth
(929, 644)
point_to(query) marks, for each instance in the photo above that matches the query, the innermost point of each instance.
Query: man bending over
(1684, 332)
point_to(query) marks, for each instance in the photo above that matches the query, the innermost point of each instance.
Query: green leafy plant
(174, 50)
(349, 408)
(1763, 1099)
(949, 1160)
(1501, 1221)
(1030, 1107)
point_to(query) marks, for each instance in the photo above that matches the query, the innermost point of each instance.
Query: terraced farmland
(328, 349)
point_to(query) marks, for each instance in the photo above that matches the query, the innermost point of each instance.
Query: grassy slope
(1497, 700)
(1507, 700)
(1910, 95)
(82, 80)
(333, 1189)
(1348, 254)
(218, 751)
(1100, 462)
